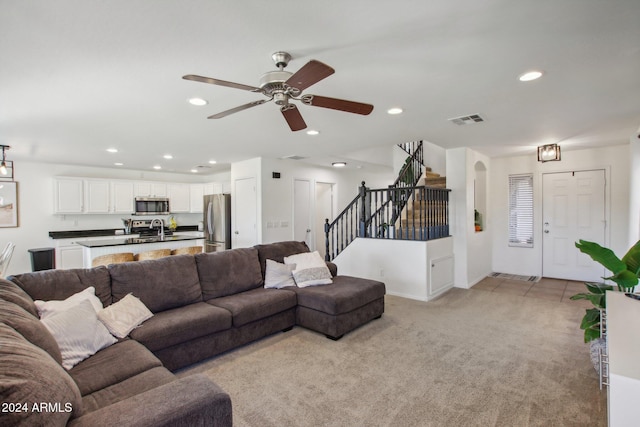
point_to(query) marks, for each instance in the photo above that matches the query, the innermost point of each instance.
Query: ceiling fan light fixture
(198, 102)
(394, 111)
(530, 76)
(339, 164)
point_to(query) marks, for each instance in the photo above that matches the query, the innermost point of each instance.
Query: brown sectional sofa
(203, 305)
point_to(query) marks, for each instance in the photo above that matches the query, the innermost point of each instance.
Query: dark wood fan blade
(221, 83)
(338, 104)
(293, 117)
(235, 110)
(310, 74)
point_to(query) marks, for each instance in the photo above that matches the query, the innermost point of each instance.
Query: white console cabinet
(623, 341)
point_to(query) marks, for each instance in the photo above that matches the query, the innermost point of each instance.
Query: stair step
(439, 182)
(430, 174)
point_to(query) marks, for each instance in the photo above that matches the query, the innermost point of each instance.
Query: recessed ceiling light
(157, 167)
(312, 132)
(394, 110)
(339, 164)
(213, 162)
(198, 102)
(168, 156)
(118, 164)
(194, 170)
(112, 150)
(530, 75)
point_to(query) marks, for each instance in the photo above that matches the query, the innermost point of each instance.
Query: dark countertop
(135, 241)
(105, 232)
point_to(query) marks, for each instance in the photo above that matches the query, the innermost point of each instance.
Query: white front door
(302, 212)
(573, 208)
(245, 213)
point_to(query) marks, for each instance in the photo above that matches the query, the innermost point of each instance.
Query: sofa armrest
(333, 269)
(189, 401)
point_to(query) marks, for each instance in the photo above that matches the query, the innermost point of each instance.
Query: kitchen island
(95, 248)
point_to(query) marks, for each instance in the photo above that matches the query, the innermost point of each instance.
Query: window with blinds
(521, 210)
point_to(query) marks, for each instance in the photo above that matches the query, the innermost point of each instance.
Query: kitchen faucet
(161, 232)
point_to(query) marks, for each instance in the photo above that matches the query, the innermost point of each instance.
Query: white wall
(277, 201)
(528, 261)
(35, 206)
(472, 250)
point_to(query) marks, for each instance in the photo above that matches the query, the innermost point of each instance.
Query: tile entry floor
(550, 289)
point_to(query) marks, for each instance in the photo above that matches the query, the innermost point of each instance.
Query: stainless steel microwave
(151, 206)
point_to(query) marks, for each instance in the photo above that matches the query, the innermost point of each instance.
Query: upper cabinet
(196, 193)
(97, 196)
(150, 189)
(179, 199)
(74, 195)
(122, 197)
(68, 195)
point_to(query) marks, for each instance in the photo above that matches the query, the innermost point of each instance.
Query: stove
(141, 227)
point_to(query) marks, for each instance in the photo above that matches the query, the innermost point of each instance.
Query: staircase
(414, 207)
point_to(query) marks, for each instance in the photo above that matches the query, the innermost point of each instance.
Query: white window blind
(521, 210)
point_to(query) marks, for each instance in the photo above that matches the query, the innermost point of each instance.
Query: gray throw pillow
(278, 275)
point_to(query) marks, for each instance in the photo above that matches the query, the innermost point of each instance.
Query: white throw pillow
(124, 316)
(278, 275)
(48, 308)
(78, 332)
(311, 270)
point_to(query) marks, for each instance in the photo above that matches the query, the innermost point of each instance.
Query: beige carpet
(469, 358)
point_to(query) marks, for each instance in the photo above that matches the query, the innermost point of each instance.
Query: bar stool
(190, 250)
(112, 259)
(154, 254)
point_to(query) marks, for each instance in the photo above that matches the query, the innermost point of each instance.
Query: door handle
(308, 230)
(546, 231)
(237, 232)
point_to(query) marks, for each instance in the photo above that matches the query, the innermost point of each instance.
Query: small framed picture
(8, 204)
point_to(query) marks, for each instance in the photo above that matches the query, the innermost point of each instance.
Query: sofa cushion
(112, 365)
(310, 270)
(228, 272)
(345, 294)
(28, 375)
(78, 332)
(277, 252)
(51, 307)
(161, 284)
(61, 284)
(255, 304)
(129, 387)
(11, 292)
(124, 316)
(29, 327)
(181, 324)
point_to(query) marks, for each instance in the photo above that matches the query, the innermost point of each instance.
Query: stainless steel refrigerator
(217, 222)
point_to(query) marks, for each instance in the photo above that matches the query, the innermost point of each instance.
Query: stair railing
(378, 214)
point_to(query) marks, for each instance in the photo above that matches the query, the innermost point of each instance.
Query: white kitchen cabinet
(97, 196)
(179, 198)
(122, 197)
(69, 257)
(150, 189)
(196, 193)
(68, 196)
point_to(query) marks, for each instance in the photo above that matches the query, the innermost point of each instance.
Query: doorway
(302, 212)
(573, 208)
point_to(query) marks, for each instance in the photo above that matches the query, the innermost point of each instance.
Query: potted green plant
(625, 275)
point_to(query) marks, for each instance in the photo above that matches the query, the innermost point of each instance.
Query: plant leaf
(598, 288)
(632, 258)
(625, 279)
(590, 319)
(591, 334)
(604, 256)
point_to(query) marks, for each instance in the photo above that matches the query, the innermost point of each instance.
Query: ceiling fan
(283, 86)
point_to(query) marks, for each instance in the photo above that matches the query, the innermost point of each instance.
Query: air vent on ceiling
(467, 120)
(294, 157)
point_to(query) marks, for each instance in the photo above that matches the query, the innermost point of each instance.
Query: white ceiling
(80, 76)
